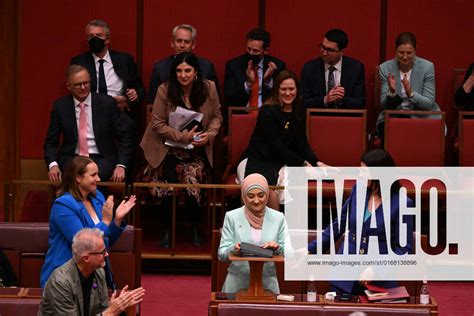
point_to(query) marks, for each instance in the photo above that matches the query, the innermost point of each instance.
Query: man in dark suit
(121, 78)
(333, 80)
(100, 133)
(183, 39)
(241, 72)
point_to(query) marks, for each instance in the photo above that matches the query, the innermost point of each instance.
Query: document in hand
(179, 120)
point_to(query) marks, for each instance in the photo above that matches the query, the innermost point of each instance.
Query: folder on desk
(395, 293)
(250, 250)
(375, 291)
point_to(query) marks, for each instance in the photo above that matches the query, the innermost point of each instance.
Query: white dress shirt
(114, 83)
(337, 73)
(91, 144)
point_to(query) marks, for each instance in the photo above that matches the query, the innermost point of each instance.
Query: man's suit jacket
(350, 206)
(236, 229)
(161, 73)
(109, 129)
(124, 67)
(235, 77)
(63, 292)
(462, 98)
(313, 84)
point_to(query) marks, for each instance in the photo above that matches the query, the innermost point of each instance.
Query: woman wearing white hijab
(253, 223)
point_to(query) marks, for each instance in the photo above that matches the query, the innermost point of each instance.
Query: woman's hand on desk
(271, 245)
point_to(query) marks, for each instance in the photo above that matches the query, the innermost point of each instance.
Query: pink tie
(83, 149)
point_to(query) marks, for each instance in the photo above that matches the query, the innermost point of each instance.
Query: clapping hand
(123, 209)
(469, 84)
(391, 83)
(250, 73)
(124, 300)
(406, 85)
(335, 94)
(108, 210)
(272, 67)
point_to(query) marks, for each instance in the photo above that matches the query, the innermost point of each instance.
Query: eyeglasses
(328, 50)
(80, 84)
(103, 252)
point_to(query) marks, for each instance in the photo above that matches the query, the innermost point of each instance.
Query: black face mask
(254, 58)
(96, 44)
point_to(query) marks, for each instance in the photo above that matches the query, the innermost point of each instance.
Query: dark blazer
(161, 73)
(461, 97)
(235, 77)
(277, 141)
(313, 84)
(124, 67)
(351, 204)
(112, 137)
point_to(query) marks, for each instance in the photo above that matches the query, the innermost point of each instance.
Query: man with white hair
(183, 39)
(79, 288)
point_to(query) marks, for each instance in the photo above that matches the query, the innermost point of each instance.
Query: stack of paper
(178, 120)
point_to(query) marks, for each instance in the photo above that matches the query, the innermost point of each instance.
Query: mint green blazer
(237, 229)
(422, 81)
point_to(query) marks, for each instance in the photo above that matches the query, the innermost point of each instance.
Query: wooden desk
(320, 304)
(256, 290)
(29, 299)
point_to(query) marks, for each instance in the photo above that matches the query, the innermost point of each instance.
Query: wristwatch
(411, 94)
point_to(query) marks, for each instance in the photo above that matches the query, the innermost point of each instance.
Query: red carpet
(176, 294)
(189, 295)
(454, 298)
